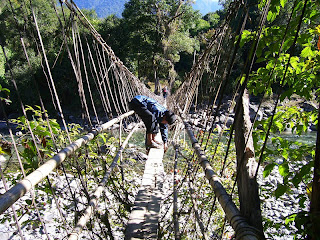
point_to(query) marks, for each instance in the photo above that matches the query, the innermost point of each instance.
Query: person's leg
(154, 139)
(148, 138)
(150, 143)
(148, 118)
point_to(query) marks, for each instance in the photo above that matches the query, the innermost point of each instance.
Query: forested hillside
(153, 48)
(103, 8)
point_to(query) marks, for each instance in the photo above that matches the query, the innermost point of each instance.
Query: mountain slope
(103, 7)
(106, 7)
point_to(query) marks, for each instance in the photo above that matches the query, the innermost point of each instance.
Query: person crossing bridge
(155, 117)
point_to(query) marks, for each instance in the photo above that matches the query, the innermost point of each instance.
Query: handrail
(74, 235)
(21, 188)
(242, 229)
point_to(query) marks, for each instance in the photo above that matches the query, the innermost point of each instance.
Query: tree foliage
(288, 56)
(160, 31)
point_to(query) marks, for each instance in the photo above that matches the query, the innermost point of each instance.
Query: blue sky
(205, 6)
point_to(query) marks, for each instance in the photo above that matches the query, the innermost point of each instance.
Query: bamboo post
(94, 198)
(21, 188)
(247, 166)
(242, 229)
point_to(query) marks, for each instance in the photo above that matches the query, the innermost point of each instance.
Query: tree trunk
(156, 79)
(315, 196)
(248, 189)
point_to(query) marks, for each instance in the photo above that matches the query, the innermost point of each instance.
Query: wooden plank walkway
(143, 220)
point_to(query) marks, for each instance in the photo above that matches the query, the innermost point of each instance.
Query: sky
(205, 6)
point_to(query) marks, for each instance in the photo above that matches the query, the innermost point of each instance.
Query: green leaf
(242, 79)
(284, 169)
(28, 201)
(271, 16)
(307, 52)
(259, 60)
(279, 125)
(287, 94)
(285, 154)
(103, 138)
(290, 218)
(306, 169)
(245, 37)
(302, 200)
(296, 179)
(281, 189)
(268, 169)
(294, 62)
(283, 3)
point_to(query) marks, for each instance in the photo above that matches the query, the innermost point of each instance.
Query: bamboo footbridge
(66, 181)
(144, 217)
(145, 214)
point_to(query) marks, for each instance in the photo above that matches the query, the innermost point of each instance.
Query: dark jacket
(141, 105)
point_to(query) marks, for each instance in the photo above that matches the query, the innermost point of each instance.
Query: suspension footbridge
(63, 181)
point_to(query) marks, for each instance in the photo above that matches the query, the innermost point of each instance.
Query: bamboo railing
(96, 195)
(242, 229)
(21, 188)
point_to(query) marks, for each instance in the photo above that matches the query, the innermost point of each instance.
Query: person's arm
(164, 135)
(164, 132)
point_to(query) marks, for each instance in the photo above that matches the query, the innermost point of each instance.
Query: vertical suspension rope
(50, 75)
(88, 84)
(95, 76)
(77, 70)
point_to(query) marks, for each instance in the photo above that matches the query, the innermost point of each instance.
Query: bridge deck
(143, 220)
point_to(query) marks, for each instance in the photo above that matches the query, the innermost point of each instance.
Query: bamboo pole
(20, 189)
(95, 197)
(242, 229)
(196, 211)
(175, 197)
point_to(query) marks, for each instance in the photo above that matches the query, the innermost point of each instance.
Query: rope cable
(50, 75)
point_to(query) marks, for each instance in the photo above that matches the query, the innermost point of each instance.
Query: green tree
(18, 29)
(289, 66)
(158, 32)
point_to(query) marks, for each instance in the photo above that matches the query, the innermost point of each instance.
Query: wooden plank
(143, 220)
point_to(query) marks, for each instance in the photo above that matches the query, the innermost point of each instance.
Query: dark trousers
(147, 117)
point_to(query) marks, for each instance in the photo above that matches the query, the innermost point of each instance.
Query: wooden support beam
(248, 188)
